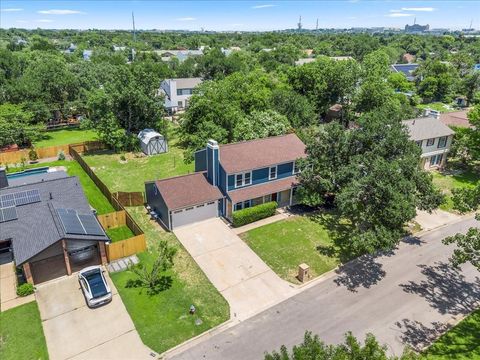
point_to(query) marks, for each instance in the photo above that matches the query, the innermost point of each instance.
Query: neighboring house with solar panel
(48, 227)
(407, 69)
(433, 137)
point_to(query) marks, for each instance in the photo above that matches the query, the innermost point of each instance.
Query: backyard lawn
(120, 233)
(461, 342)
(93, 194)
(447, 182)
(65, 137)
(21, 334)
(163, 320)
(288, 243)
(131, 174)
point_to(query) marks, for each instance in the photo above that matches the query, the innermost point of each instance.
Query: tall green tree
(16, 125)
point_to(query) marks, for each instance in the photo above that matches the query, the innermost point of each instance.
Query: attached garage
(183, 200)
(48, 269)
(194, 214)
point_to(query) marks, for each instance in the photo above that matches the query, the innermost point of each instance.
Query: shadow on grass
(163, 283)
(416, 335)
(446, 289)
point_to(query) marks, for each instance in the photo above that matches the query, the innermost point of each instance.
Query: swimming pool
(35, 171)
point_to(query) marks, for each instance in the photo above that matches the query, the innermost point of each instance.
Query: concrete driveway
(247, 283)
(73, 331)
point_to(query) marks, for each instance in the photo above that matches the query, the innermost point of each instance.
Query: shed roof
(254, 154)
(186, 190)
(426, 128)
(38, 225)
(148, 134)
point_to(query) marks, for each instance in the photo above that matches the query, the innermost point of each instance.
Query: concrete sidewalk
(435, 219)
(8, 288)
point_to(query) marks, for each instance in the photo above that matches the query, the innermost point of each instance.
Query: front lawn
(21, 334)
(65, 137)
(163, 321)
(93, 194)
(130, 174)
(461, 342)
(285, 244)
(447, 182)
(120, 233)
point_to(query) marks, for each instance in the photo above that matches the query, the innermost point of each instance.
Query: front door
(274, 197)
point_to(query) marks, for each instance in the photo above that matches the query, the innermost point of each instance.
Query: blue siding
(260, 176)
(222, 179)
(157, 203)
(201, 160)
(212, 165)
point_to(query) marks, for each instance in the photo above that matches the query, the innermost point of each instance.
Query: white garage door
(194, 214)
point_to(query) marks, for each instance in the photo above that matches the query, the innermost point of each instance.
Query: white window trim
(293, 169)
(270, 172)
(433, 143)
(243, 179)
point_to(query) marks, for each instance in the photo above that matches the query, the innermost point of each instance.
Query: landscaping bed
(163, 320)
(460, 342)
(285, 244)
(21, 334)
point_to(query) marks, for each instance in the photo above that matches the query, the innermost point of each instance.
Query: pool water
(42, 170)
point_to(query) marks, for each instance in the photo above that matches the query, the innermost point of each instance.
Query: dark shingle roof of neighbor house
(187, 83)
(406, 69)
(456, 118)
(38, 225)
(426, 128)
(270, 187)
(254, 154)
(186, 190)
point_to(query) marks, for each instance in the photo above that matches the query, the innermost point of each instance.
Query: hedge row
(254, 213)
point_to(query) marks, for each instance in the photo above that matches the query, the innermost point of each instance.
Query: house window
(430, 142)
(242, 205)
(436, 160)
(189, 208)
(180, 104)
(442, 142)
(243, 179)
(419, 143)
(296, 169)
(272, 174)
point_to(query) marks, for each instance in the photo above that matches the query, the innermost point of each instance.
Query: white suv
(94, 286)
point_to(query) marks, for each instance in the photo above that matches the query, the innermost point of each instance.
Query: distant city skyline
(236, 15)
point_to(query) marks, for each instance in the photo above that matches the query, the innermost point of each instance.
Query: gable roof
(38, 225)
(456, 118)
(406, 69)
(426, 128)
(186, 190)
(148, 134)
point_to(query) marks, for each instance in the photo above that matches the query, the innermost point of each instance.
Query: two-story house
(177, 92)
(433, 137)
(229, 178)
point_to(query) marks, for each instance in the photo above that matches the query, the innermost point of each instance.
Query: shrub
(32, 155)
(61, 155)
(25, 289)
(123, 158)
(249, 215)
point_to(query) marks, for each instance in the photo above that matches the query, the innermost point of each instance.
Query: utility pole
(134, 36)
(316, 27)
(300, 23)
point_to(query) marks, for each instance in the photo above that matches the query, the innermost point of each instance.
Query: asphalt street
(403, 297)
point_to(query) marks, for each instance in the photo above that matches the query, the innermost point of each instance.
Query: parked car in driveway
(94, 286)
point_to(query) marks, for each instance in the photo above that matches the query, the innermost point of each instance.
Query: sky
(236, 15)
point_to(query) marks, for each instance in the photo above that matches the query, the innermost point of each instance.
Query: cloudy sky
(236, 15)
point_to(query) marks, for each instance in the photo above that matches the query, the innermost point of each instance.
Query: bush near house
(25, 289)
(249, 215)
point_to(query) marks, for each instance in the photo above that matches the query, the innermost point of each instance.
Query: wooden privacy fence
(121, 249)
(112, 220)
(14, 157)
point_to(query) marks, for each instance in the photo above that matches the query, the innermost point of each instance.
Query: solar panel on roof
(79, 224)
(20, 198)
(7, 200)
(8, 214)
(91, 225)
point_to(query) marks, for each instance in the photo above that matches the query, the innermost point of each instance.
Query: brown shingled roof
(456, 118)
(254, 154)
(252, 192)
(182, 191)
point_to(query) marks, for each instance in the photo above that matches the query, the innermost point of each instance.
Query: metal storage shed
(152, 142)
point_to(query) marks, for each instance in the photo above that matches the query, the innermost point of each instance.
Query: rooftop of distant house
(456, 119)
(426, 128)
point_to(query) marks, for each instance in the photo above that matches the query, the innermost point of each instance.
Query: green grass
(461, 342)
(120, 233)
(138, 168)
(448, 182)
(21, 334)
(163, 320)
(285, 244)
(65, 137)
(438, 106)
(93, 194)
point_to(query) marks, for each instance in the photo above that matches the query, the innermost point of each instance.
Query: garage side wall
(156, 202)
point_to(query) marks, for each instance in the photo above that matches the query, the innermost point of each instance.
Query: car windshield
(95, 281)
